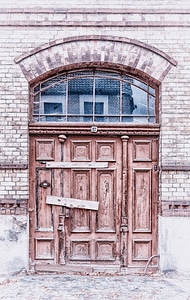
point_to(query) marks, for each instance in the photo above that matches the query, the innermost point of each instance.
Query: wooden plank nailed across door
(77, 165)
(72, 203)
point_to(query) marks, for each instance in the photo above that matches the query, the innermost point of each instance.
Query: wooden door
(93, 237)
(44, 219)
(120, 174)
(91, 172)
(142, 201)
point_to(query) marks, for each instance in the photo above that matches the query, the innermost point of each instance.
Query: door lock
(45, 184)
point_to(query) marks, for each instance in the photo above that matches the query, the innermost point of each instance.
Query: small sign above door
(72, 203)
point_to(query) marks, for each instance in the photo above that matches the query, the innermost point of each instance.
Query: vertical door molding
(61, 228)
(124, 221)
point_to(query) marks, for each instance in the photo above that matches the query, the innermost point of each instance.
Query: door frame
(36, 129)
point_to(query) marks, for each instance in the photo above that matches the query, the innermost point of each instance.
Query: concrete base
(13, 244)
(174, 244)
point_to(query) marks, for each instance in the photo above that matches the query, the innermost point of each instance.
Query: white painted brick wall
(175, 90)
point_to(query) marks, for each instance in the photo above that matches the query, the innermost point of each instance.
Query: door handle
(60, 228)
(66, 212)
(45, 184)
(156, 168)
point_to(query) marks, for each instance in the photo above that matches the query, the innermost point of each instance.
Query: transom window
(93, 96)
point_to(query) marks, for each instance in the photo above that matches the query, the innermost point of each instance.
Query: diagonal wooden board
(72, 203)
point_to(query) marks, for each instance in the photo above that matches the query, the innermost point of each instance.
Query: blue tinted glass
(52, 108)
(80, 90)
(89, 95)
(37, 88)
(53, 81)
(107, 74)
(140, 101)
(99, 108)
(58, 89)
(88, 107)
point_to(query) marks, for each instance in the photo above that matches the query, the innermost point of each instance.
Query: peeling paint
(12, 235)
(19, 225)
(174, 244)
(13, 244)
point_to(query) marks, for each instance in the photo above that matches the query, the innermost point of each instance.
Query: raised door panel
(105, 250)
(44, 218)
(105, 150)
(142, 199)
(142, 249)
(92, 235)
(105, 192)
(142, 150)
(44, 248)
(80, 150)
(80, 250)
(80, 218)
(45, 149)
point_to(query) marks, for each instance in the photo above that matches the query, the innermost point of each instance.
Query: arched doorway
(93, 183)
(94, 131)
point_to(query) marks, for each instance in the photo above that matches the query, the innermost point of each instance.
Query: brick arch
(107, 51)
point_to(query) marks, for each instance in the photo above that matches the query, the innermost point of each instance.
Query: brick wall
(24, 27)
(138, 4)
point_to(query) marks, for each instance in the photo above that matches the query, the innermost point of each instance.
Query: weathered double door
(93, 202)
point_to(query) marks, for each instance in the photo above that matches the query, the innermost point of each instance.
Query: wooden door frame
(125, 133)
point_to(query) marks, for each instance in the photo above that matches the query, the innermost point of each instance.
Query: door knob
(45, 184)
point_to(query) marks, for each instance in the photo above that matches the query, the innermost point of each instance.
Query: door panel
(44, 217)
(119, 174)
(142, 201)
(80, 218)
(93, 236)
(106, 211)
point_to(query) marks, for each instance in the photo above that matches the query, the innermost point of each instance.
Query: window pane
(99, 108)
(52, 109)
(94, 95)
(151, 91)
(141, 84)
(107, 91)
(151, 105)
(79, 91)
(37, 88)
(151, 108)
(140, 100)
(107, 74)
(36, 104)
(58, 89)
(53, 103)
(127, 78)
(87, 73)
(53, 81)
(88, 108)
(128, 105)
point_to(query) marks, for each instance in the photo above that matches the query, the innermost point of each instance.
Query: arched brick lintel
(107, 51)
